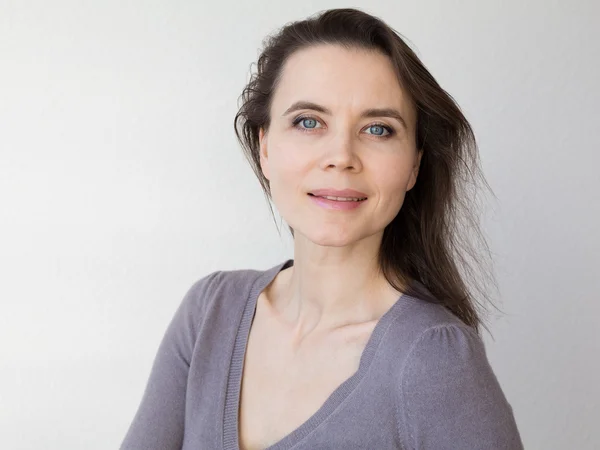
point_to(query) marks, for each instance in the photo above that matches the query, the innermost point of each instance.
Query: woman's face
(333, 144)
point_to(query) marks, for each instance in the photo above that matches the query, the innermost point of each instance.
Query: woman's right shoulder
(220, 290)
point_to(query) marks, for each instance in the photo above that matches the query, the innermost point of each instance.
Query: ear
(415, 171)
(264, 156)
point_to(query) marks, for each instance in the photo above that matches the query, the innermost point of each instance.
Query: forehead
(337, 77)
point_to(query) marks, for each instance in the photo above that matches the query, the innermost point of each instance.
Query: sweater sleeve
(450, 397)
(159, 421)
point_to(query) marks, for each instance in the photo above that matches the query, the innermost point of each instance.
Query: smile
(337, 203)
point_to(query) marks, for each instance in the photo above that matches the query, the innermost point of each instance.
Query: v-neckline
(234, 381)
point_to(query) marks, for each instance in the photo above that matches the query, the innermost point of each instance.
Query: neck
(332, 287)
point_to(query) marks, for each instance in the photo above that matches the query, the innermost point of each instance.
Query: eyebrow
(372, 112)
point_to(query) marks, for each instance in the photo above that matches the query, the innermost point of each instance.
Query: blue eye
(380, 130)
(310, 123)
(313, 123)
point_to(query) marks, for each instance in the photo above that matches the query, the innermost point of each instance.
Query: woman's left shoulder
(449, 347)
(448, 394)
(424, 325)
(432, 336)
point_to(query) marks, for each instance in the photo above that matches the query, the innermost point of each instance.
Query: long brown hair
(433, 237)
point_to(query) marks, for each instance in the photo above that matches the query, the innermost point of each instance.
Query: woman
(368, 338)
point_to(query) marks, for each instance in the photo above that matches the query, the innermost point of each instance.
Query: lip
(334, 204)
(338, 193)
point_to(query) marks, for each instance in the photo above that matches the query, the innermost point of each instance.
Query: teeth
(343, 199)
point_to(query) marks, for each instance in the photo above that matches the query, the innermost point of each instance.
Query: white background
(121, 183)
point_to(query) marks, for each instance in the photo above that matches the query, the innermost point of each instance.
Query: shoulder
(431, 335)
(448, 354)
(447, 390)
(223, 281)
(425, 328)
(434, 349)
(212, 303)
(220, 288)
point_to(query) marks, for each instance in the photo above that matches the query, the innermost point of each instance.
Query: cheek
(287, 175)
(393, 178)
(288, 162)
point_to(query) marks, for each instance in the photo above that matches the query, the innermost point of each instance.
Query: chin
(326, 235)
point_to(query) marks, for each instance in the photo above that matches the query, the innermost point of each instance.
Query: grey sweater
(423, 382)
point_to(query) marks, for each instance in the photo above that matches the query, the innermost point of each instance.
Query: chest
(280, 391)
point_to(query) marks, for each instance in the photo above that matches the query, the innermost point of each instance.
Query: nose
(341, 154)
